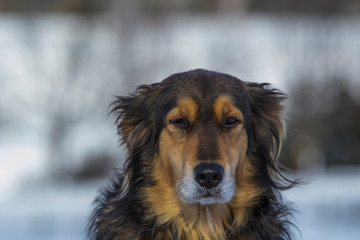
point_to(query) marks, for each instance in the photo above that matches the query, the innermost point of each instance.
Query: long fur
(123, 210)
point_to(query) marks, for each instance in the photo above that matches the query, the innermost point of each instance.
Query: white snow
(254, 48)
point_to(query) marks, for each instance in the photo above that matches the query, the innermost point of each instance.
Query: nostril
(216, 177)
(200, 177)
(208, 175)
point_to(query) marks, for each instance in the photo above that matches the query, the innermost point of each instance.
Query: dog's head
(203, 128)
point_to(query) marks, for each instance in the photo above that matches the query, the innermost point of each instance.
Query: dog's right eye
(180, 123)
(230, 122)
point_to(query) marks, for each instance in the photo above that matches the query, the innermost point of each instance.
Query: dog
(202, 162)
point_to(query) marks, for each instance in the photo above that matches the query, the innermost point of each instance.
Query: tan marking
(232, 145)
(223, 107)
(178, 153)
(247, 195)
(186, 108)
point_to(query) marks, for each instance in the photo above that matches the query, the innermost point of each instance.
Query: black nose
(208, 175)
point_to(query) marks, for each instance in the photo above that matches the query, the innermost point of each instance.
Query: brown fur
(168, 129)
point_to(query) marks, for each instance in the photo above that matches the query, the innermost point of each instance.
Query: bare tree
(69, 83)
(320, 59)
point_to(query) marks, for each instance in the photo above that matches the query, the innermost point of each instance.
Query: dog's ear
(268, 126)
(133, 117)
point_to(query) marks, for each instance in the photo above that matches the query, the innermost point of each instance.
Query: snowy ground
(328, 208)
(47, 213)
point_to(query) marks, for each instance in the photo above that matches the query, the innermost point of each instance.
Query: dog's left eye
(230, 122)
(180, 123)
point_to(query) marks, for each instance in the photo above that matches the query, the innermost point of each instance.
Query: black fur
(122, 213)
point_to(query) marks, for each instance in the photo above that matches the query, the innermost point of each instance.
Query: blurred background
(62, 62)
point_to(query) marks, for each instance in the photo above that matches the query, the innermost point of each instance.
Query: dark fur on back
(122, 212)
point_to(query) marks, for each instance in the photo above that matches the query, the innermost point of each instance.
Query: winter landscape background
(62, 64)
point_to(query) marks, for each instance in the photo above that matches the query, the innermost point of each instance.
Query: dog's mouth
(208, 195)
(190, 192)
(210, 198)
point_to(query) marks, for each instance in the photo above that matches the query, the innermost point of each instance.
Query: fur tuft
(167, 129)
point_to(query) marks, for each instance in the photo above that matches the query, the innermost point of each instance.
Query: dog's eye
(230, 122)
(180, 122)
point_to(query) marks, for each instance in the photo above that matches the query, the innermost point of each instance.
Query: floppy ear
(267, 121)
(134, 118)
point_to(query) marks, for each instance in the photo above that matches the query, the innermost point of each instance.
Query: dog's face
(202, 127)
(204, 142)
